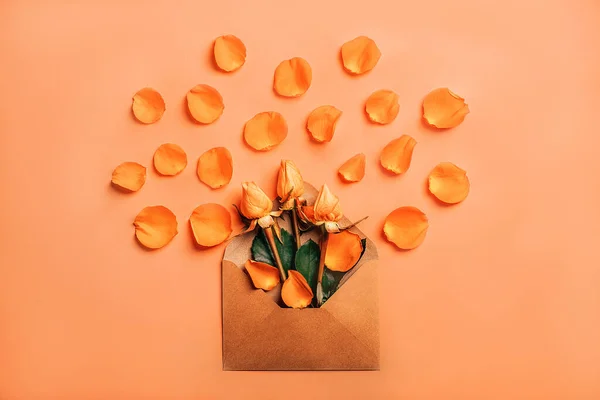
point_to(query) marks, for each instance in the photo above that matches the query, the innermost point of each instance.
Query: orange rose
(327, 209)
(290, 184)
(255, 203)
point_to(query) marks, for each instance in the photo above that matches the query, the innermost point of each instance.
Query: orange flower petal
(211, 224)
(307, 213)
(292, 77)
(169, 159)
(265, 130)
(406, 227)
(444, 109)
(360, 55)
(343, 251)
(264, 276)
(321, 123)
(205, 104)
(148, 106)
(130, 176)
(397, 154)
(353, 170)
(215, 167)
(230, 53)
(382, 106)
(295, 292)
(449, 183)
(155, 226)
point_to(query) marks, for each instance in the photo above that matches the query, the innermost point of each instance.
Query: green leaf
(286, 248)
(331, 280)
(307, 262)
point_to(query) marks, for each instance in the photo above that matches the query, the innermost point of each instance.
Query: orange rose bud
(290, 184)
(327, 209)
(255, 203)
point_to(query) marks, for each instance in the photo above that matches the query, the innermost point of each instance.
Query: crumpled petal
(353, 170)
(215, 167)
(397, 154)
(263, 275)
(382, 107)
(321, 123)
(148, 106)
(406, 227)
(205, 104)
(129, 176)
(265, 130)
(230, 53)
(444, 109)
(449, 183)
(169, 159)
(211, 224)
(296, 292)
(360, 55)
(292, 77)
(307, 214)
(343, 251)
(155, 226)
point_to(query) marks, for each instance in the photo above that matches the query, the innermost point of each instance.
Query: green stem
(324, 242)
(295, 227)
(271, 239)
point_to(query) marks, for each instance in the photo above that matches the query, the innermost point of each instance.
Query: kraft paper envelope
(258, 334)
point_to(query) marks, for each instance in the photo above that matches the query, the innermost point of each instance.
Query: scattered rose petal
(360, 55)
(205, 104)
(148, 106)
(295, 291)
(444, 109)
(264, 276)
(155, 226)
(353, 170)
(449, 183)
(169, 159)
(397, 154)
(292, 77)
(211, 224)
(343, 251)
(382, 106)
(321, 123)
(406, 227)
(215, 167)
(265, 130)
(230, 53)
(129, 176)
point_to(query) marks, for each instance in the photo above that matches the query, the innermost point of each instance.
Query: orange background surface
(501, 301)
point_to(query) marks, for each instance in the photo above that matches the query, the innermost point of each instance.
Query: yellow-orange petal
(148, 105)
(265, 130)
(292, 77)
(444, 109)
(169, 159)
(307, 213)
(155, 226)
(205, 104)
(321, 123)
(360, 55)
(382, 106)
(211, 224)
(449, 183)
(343, 251)
(264, 276)
(353, 170)
(215, 167)
(230, 53)
(406, 227)
(129, 176)
(397, 154)
(295, 292)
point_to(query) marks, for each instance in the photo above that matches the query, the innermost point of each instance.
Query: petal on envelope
(215, 167)
(205, 104)
(229, 52)
(353, 170)
(382, 106)
(360, 55)
(211, 224)
(129, 176)
(321, 123)
(264, 276)
(406, 227)
(444, 109)
(169, 159)
(265, 130)
(397, 154)
(148, 106)
(292, 77)
(155, 226)
(296, 292)
(343, 251)
(449, 183)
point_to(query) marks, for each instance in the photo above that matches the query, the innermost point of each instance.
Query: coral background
(502, 300)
